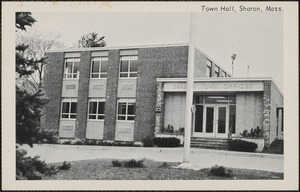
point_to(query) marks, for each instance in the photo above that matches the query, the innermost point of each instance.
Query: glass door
(222, 121)
(209, 121)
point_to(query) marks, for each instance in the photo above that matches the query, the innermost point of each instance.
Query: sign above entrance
(216, 86)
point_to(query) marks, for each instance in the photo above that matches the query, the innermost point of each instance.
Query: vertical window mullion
(97, 105)
(69, 115)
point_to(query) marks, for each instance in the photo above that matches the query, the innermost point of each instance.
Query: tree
(37, 45)
(91, 39)
(30, 98)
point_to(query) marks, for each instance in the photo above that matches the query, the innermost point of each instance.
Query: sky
(255, 38)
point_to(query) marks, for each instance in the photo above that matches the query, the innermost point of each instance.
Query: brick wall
(53, 86)
(161, 62)
(83, 90)
(111, 95)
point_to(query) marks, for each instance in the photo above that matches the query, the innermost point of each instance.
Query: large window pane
(73, 107)
(221, 119)
(131, 108)
(95, 66)
(68, 67)
(133, 66)
(199, 118)
(65, 107)
(209, 119)
(101, 107)
(122, 108)
(133, 75)
(93, 108)
(104, 65)
(76, 67)
(124, 65)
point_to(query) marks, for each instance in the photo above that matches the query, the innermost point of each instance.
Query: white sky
(256, 38)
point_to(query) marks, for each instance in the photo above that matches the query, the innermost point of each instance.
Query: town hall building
(128, 93)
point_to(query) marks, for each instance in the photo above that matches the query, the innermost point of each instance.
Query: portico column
(159, 107)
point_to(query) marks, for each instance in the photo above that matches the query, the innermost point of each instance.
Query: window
(69, 108)
(99, 67)
(72, 68)
(208, 68)
(126, 110)
(217, 71)
(223, 74)
(128, 66)
(96, 109)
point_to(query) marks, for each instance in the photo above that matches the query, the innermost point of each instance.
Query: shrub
(148, 141)
(31, 168)
(220, 171)
(164, 165)
(46, 136)
(253, 133)
(167, 142)
(122, 143)
(134, 164)
(116, 163)
(276, 146)
(77, 142)
(65, 166)
(240, 145)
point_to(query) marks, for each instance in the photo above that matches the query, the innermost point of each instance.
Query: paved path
(199, 158)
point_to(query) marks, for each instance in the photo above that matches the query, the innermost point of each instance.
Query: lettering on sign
(70, 86)
(179, 86)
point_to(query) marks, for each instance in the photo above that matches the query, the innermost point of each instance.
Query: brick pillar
(111, 95)
(159, 109)
(53, 86)
(83, 91)
(266, 112)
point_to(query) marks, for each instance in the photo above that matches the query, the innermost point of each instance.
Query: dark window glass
(66, 107)
(122, 108)
(65, 116)
(95, 75)
(103, 75)
(104, 65)
(121, 117)
(73, 107)
(73, 116)
(124, 65)
(133, 65)
(232, 99)
(76, 67)
(92, 116)
(95, 66)
(124, 75)
(133, 74)
(209, 119)
(101, 107)
(131, 108)
(93, 108)
(69, 67)
(221, 119)
(100, 116)
(130, 118)
(199, 118)
(232, 111)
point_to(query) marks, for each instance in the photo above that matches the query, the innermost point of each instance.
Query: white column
(189, 90)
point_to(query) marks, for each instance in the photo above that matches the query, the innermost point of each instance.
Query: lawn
(102, 169)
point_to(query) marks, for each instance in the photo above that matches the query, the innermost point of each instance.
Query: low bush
(167, 142)
(122, 143)
(31, 168)
(65, 166)
(220, 171)
(134, 164)
(47, 136)
(77, 142)
(164, 165)
(276, 147)
(116, 163)
(240, 145)
(148, 141)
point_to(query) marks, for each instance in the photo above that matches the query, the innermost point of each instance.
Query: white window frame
(129, 59)
(209, 66)
(96, 114)
(99, 73)
(126, 114)
(68, 75)
(68, 100)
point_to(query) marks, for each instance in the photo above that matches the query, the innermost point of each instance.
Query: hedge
(167, 142)
(240, 145)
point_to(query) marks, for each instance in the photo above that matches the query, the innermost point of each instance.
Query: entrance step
(209, 143)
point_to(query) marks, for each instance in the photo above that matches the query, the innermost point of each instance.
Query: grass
(102, 169)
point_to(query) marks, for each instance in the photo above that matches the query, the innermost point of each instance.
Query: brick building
(127, 93)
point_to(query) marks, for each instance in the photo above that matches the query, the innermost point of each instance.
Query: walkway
(199, 158)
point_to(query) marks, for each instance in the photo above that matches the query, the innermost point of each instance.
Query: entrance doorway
(211, 121)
